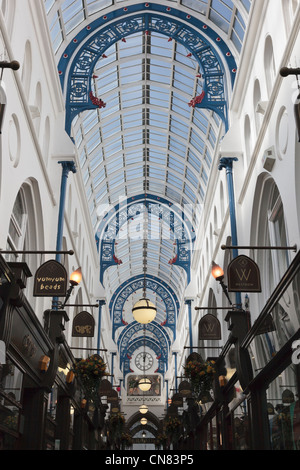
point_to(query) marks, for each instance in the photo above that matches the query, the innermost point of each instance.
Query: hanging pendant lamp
(144, 311)
(144, 384)
(143, 409)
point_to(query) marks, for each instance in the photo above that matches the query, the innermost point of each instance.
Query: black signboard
(51, 279)
(209, 327)
(243, 275)
(83, 325)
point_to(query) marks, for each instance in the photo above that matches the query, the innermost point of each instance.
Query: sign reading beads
(50, 279)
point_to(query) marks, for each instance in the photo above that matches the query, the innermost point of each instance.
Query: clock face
(144, 361)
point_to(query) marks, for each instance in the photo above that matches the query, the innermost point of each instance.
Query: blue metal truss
(130, 286)
(108, 230)
(78, 61)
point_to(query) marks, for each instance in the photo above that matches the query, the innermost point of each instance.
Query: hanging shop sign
(83, 325)
(209, 327)
(51, 279)
(243, 275)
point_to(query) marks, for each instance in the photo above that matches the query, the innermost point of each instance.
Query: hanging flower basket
(90, 371)
(126, 440)
(161, 440)
(200, 375)
(116, 424)
(173, 428)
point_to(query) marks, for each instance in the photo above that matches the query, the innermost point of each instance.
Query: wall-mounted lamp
(44, 363)
(218, 274)
(75, 279)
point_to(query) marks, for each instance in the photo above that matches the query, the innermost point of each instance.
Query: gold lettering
(243, 274)
(209, 327)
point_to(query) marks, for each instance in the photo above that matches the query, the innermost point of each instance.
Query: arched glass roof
(66, 16)
(148, 137)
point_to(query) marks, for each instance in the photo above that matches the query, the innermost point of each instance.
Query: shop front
(256, 404)
(42, 405)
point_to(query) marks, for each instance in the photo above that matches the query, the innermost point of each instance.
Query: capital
(226, 162)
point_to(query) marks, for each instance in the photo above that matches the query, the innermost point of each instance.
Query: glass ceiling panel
(147, 132)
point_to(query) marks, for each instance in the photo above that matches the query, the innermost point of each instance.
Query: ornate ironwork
(196, 36)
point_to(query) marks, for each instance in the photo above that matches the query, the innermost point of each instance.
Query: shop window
(284, 411)
(281, 321)
(11, 380)
(52, 402)
(241, 427)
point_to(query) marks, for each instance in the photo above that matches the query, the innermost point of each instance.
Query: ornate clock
(144, 361)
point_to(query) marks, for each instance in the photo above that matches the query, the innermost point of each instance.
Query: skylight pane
(48, 5)
(96, 5)
(197, 5)
(56, 32)
(72, 13)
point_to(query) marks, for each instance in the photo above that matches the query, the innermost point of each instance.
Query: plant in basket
(126, 440)
(173, 428)
(90, 371)
(116, 424)
(200, 375)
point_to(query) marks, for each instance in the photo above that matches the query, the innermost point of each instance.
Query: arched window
(27, 69)
(269, 64)
(256, 107)
(46, 142)
(222, 202)
(8, 11)
(25, 233)
(17, 226)
(36, 109)
(248, 138)
(270, 230)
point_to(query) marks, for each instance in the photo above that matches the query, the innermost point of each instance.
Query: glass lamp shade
(76, 277)
(144, 311)
(143, 409)
(144, 384)
(143, 421)
(217, 271)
